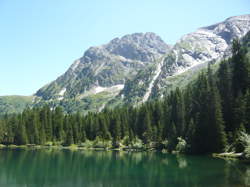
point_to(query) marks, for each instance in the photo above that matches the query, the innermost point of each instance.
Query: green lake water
(61, 168)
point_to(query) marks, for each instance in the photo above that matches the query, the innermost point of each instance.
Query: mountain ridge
(196, 49)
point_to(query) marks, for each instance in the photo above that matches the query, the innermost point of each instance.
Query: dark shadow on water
(41, 168)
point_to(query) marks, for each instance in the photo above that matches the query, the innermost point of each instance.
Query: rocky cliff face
(138, 67)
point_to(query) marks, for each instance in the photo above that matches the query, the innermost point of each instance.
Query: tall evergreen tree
(147, 129)
(217, 134)
(240, 69)
(21, 135)
(238, 114)
(226, 93)
(69, 132)
(58, 124)
(201, 140)
(116, 131)
(247, 111)
(103, 130)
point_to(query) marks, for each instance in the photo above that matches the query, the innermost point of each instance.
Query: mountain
(192, 52)
(14, 103)
(139, 67)
(101, 73)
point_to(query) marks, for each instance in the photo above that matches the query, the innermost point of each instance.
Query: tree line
(205, 117)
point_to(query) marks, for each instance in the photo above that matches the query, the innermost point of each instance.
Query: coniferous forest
(208, 116)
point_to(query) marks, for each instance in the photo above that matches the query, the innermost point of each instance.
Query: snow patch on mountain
(60, 98)
(114, 88)
(99, 89)
(62, 92)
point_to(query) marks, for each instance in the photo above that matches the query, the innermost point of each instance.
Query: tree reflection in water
(100, 168)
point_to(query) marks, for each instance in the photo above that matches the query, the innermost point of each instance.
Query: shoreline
(76, 147)
(224, 156)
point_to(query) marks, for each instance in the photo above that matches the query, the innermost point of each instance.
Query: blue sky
(40, 39)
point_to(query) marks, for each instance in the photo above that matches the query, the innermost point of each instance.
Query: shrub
(181, 145)
(137, 143)
(99, 143)
(87, 144)
(164, 144)
(126, 141)
(245, 139)
(48, 143)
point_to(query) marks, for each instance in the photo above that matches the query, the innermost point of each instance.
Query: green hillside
(14, 103)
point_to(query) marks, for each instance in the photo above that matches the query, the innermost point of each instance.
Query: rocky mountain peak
(211, 42)
(138, 46)
(144, 47)
(233, 27)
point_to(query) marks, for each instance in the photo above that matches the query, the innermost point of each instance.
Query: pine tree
(225, 88)
(46, 118)
(240, 69)
(216, 131)
(200, 108)
(239, 115)
(35, 123)
(189, 113)
(247, 111)
(179, 112)
(83, 135)
(21, 135)
(69, 136)
(190, 132)
(124, 123)
(166, 120)
(74, 123)
(159, 135)
(116, 131)
(172, 137)
(147, 129)
(103, 130)
(58, 132)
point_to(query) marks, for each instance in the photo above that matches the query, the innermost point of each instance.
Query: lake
(61, 168)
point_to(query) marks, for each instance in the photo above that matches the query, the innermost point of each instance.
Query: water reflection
(92, 168)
